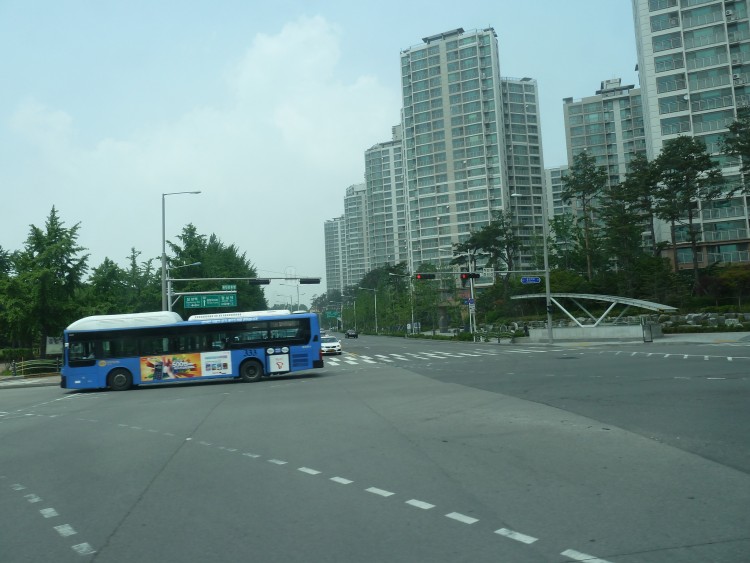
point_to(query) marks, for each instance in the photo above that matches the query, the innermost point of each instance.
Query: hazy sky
(266, 107)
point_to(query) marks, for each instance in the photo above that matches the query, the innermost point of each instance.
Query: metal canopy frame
(612, 299)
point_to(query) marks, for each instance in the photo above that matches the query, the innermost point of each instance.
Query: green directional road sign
(210, 300)
(332, 314)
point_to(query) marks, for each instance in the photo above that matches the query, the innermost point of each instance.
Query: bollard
(13, 368)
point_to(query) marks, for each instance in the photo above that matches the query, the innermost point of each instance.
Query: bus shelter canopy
(613, 300)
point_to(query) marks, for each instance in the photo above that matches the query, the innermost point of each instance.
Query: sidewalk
(10, 382)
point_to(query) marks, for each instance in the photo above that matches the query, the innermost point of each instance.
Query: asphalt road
(396, 451)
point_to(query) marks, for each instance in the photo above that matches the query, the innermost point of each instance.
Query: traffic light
(309, 280)
(469, 275)
(259, 281)
(424, 276)
(550, 308)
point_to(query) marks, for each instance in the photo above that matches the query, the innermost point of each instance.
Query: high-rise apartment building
(334, 233)
(453, 127)
(469, 146)
(608, 126)
(694, 66)
(386, 203)
(355, 225)
(522, 147)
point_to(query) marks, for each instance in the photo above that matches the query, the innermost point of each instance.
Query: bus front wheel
(251, 371)
(120, 380)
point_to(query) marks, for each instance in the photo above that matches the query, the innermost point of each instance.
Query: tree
(217, 260)
(736, 143)
(687, 175)
(498, 240)
(50, 270)
(622, 237)
(585, 182)
(639, 189)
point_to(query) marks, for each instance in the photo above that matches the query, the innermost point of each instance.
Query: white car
(330, 345)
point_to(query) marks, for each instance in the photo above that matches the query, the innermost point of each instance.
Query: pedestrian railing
(25, 368)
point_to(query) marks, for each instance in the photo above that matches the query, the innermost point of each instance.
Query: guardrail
(35, 367)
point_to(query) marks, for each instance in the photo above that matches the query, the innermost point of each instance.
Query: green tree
(687, 174)
(736, 143)
(584, 183)
(50, 270)
(639, 189)
(217, 260)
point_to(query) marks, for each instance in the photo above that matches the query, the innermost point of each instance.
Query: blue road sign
(531, 279)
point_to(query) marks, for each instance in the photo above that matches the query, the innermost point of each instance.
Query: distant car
(351, 333)
(330, 345)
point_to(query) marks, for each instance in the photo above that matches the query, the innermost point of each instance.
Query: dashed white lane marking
(18, 487)
(462, 518)
(308, 470)
(350, 362)
(341, 480)
(370, 361)
(48, 512)
(716, 378)
(248, 454)
(65, 530)
(578, 556)
(83, 549)
(381, 492)
(420, 504)
(523, 538)
(32, 498)
(277, 461)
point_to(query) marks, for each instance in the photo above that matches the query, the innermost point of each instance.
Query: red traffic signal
(424, 276)
(469, 275)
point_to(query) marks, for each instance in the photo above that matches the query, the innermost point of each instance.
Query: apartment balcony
(723, 236)
(723, 213)
(729, 257)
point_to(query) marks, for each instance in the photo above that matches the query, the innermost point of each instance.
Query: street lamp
(375, 293)
(164, 297)
(411, 294)
(297, 286)
(169, 281)
(545, 246)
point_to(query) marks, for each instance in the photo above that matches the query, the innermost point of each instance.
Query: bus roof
(127, 320)
(233, 315)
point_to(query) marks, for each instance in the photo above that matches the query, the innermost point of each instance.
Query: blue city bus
(121, 351)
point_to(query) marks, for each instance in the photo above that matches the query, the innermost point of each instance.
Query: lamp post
(375, 293)
(411, 294)
(169, 281)
(297, 286)
(164, 297)
(545, 250)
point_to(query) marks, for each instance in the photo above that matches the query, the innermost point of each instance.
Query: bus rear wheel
(251, 371)
(120, 380)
